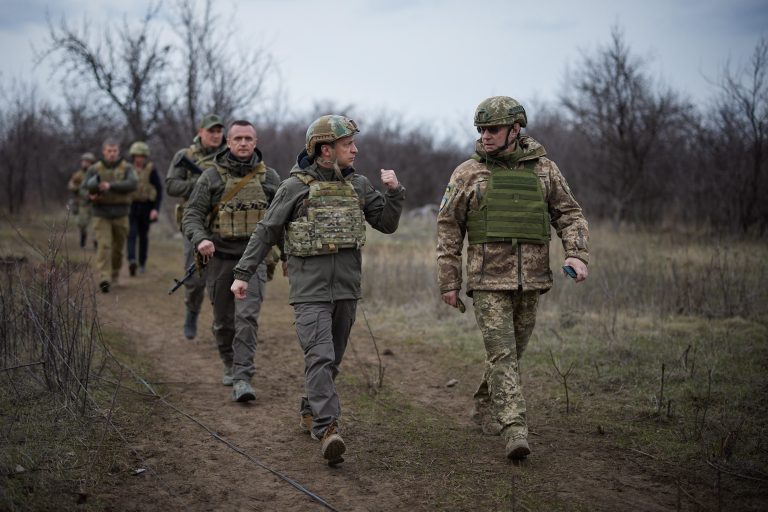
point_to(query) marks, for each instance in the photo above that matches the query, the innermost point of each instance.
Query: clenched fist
(389, 179)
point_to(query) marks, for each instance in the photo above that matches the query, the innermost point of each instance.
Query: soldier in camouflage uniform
(505, 198)
(321, 210)
(227, 201)
(145, 205)
(79, 204)
(179, 182)
(109, 184)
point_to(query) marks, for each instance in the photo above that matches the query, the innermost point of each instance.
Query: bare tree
(127, 64)
(613, 102)
(742, 127)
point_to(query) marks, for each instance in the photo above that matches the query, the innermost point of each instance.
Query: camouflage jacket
(78, 195)
(505, 265)
(325, 277)
(179, 181)
(207, 194)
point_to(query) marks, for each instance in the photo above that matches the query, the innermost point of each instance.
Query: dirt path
(393, 463)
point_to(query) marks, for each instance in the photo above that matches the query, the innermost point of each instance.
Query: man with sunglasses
(322, 209)
(505, 198)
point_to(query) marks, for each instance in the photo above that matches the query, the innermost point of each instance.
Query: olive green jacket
(207, 194)
(180, 181)
(325, 277)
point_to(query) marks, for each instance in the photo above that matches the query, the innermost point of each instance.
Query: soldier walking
(505, 198)
(79, 204)
(179, 182)
(109, 183)
(322, 209)
(227, 202)
(145, 205)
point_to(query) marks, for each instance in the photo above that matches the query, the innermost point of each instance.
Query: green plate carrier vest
(512, 210)
(116, 173)
(145, 191)
(334, 220)
(238, 215)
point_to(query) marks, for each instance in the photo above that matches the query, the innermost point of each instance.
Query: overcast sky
(433, 60)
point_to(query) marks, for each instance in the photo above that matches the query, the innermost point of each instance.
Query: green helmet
(327, 129)
(500, 111)
(88, 156)
(139, 148)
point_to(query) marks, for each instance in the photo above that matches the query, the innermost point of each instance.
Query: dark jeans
(139, 226)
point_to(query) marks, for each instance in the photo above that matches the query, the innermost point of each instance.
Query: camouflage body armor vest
(145, 191)
(334, 220)
(116, 173)
(512, 210)
(238, 213)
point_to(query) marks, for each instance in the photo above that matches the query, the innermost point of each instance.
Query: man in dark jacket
(228, 200)
(321, 210)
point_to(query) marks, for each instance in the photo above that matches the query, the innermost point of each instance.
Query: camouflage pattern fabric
(500, 111)
(503, 265)
(505, 337)
(145, 190)
(236, 218)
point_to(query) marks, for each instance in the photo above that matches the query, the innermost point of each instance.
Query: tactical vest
(145, 191)
(112, 174)
(334, 219)
(512, 210)
(236, 215)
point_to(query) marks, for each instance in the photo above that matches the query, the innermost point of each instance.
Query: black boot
(82, 240)
(190, 324)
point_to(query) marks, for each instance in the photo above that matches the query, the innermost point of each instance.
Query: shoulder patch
(446, 196)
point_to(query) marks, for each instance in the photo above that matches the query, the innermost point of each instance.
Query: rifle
(197, 266)
(188, 164)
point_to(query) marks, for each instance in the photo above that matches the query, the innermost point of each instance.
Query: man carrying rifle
(179, 182)
(227, 202)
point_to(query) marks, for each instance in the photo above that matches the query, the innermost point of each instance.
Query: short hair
(109, 141)
(240, 122)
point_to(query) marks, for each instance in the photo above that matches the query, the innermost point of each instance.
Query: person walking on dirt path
(145, 205)
(179, 182)
(109, 184)
(79, 204)
(321, 209)
(227, 202)
(505, 198)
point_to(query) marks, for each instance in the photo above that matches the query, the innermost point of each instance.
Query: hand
(93, 197)
(389, 179)
(451, 298)
(206, 249)
(153, 215)
(103, 186)
(238, 288)
(579, 266)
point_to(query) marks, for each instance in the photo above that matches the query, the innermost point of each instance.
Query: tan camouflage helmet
(500, 111)
(327, 129)
(88, 156)
(139, 148)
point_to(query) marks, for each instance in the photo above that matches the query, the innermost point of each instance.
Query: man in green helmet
(145, 205)
(179, 182)
(228, 200)
(79, 204)
(505, 198)
(321, 210)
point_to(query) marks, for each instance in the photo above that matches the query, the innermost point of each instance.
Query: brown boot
(518, 448)
(333, 446)
(306, 423)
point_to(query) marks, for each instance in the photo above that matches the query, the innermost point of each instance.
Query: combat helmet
(88, 156)
(327, 129)
(500, 111)
(139, 148)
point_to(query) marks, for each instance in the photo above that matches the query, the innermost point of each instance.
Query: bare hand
(103, 186)
(206, 249)
(451, 298)
(153, 215)
(389, 179)
(579, 267)
(238, 288)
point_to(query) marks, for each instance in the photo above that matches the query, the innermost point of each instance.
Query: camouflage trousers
(110, 235)
(505, 335)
